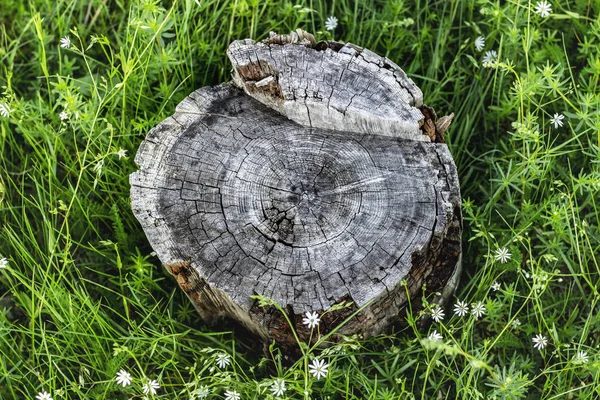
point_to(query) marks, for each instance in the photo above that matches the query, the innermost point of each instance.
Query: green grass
(83, 297)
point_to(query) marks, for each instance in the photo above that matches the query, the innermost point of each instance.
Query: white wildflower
(331, 23)
(318, 368)
(479, 43)
(437, 314)
(478, 309)
(461, 308)
(557, 120)
(435, 336)
(65, 42)
(151, 387)
(490, 56)
(123, 378)
(312, 320)
(4, 110)
(223, 360)
(3, 263)
(502, 255)
(43, 396)
(121, 153)
(232, 395)
(64, 115)
(580, 357)
(540, 341)
(516, 323)
(496, 286)
(278, 387)
(543, 8)
(202, 392)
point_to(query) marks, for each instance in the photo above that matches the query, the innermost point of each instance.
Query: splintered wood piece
(330, 86)
(237, 199)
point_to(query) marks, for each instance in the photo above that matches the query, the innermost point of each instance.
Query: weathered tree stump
(316, 177)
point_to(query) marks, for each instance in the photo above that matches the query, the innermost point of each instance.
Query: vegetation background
(82, 297)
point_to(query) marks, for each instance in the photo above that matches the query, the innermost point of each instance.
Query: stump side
(197, 182)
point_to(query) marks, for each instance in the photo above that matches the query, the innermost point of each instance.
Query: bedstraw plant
(88, 312)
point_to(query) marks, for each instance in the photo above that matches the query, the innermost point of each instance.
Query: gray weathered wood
(237, 199)
(344, 88)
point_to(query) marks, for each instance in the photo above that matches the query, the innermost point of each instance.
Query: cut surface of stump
(250, 189)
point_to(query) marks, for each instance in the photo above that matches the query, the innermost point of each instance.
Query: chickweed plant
(88, 312)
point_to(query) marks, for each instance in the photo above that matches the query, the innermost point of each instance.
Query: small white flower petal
(311, 320)
(490, 56)
(151, 387)
(543, 8)
(502, 255)
(437, 314)
(580, 358)
(4, 110)
(43, 396)
(318, 368)
(461, 308)
(123, 378)
(65, 42)
(331, 23)
(232, 395)
(278, 387)
(122, 153)
(202, 392)
(540, 341)
(479, 43)
(435, 336)
(557, 120)
(223, 360)
(478, 309)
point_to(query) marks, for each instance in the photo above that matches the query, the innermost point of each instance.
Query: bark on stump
(317, 176)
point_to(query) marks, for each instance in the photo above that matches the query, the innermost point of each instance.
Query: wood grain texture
(330, 86)
(237, 199)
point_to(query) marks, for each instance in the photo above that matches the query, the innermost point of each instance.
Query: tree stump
(318, 176)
